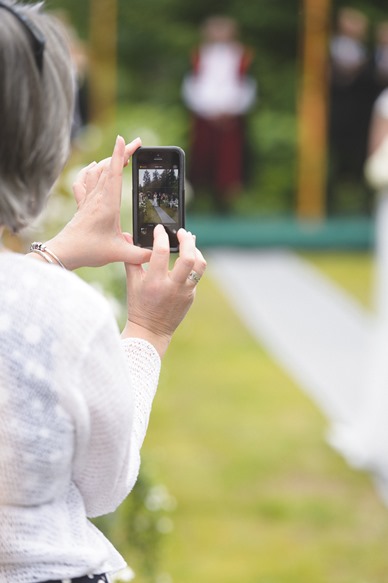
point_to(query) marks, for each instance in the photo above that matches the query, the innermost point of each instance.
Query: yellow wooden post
(312, 139)
(103, 59)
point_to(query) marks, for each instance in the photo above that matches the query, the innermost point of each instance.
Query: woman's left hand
(94, 237)
(159, 297)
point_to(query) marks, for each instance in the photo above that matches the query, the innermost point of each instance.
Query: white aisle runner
(318, 332)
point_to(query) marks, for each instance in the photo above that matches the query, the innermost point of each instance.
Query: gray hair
(36, 109)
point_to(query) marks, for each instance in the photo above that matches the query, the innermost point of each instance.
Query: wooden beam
(103, 59)
(312, 138)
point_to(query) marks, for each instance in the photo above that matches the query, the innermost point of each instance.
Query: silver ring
(193, 276)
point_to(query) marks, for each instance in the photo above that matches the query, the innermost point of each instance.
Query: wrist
(62, 248)
(45, 253)
(159, 341)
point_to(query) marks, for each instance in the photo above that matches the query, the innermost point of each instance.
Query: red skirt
(217, 153)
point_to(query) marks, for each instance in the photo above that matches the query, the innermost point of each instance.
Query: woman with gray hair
(75, 395)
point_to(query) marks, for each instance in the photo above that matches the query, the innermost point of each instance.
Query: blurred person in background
(364, 439)
(351, 97)
(380, 57)
(75, 395)
(376, 171)
(219, 93)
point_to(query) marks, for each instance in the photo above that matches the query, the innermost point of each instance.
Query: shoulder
(49, 289)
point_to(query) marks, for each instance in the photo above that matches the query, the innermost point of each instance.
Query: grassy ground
(260, 496)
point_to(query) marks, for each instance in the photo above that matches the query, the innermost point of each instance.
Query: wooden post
(312, 138)
(103, 60)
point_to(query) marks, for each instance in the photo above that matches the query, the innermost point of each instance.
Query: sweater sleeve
(118, 381)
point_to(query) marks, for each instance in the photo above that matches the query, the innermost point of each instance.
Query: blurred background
(238, 482)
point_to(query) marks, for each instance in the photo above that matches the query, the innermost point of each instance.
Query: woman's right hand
(94, 237)
(159, 298)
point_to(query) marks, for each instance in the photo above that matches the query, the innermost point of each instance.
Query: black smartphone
(158, 193)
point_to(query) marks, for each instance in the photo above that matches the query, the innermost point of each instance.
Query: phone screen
(158, 193)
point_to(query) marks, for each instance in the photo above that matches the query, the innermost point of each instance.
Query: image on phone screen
(158, 193)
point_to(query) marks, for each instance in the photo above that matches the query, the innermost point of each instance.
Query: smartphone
(158, 193)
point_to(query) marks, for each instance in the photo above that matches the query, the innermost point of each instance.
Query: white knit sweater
(74, 406)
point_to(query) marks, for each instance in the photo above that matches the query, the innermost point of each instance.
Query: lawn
(259, 496)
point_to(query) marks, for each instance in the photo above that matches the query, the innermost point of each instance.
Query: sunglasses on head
(37, 39)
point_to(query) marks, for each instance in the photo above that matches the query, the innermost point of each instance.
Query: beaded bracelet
(42, 250)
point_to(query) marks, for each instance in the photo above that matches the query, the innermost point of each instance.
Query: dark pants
(85, 579)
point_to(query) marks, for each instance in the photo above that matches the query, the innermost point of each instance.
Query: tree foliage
(155, 39)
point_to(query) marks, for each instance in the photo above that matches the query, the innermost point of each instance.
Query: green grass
(352, 271)
(261, 498)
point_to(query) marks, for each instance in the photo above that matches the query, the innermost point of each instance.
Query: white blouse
(75, 401)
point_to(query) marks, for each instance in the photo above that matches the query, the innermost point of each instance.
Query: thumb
(128, 237)
(132, 254)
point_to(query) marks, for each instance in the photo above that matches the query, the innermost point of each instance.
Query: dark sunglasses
(37, 39)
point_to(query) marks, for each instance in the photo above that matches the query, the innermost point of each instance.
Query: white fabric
(376, 166)
(363, 438)
(316, 330)
(347, 52)
(330, 344)
(74, 406)
(218, 88)
(381, 104)
(364, 441)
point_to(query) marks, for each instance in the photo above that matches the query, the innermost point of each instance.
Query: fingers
(130, 149)
(95, 173)
(129, 238)
(185, 262)
(135, 256)
(79, 186)
(190, 260)
(116, 165)
(160, 257)
(109, 180)
(92, 176)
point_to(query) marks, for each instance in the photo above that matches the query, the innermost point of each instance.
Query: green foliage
(157, 38)
(137, 529)
(78, 13)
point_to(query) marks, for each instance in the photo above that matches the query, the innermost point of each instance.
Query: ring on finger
(193, 276)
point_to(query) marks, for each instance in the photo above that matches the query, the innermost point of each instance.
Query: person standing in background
(363, 439)
(219, 93)
(351, 97)
(380, 57)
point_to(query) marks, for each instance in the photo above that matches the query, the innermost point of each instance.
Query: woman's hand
(93, 237)
(158, 299)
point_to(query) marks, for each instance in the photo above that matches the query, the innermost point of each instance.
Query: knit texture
(75, 402)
